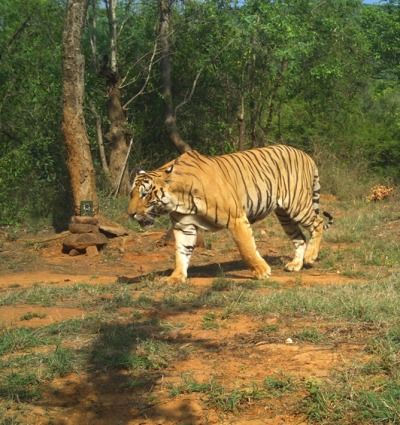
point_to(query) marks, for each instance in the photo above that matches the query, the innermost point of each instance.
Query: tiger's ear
(169, 169)
(140, 171)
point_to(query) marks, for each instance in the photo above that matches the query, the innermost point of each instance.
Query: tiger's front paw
(261, 272)
(173, 279)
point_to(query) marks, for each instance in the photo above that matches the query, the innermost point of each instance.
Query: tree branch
(149, 68)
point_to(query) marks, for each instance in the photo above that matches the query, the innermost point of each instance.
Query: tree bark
(79, 159)
(169, 115)
(100, 142)
(118, 135)
(241, 122)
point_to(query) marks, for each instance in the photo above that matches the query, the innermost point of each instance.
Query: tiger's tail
(330, 220)
(316, 194)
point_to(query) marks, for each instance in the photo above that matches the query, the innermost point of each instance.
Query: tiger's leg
(293, 231)
(185, 241)
(243, 236)
(313, 244)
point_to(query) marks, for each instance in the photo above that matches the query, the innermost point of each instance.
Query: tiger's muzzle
(145, 221)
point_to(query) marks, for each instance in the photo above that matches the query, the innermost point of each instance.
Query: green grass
(276, 386)
(227, 399)
(376, 302)
(18, 339)
(350, 398)
(210, 321)
(30, 316)
(310, 334)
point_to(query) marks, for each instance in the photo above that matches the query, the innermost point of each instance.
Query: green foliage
(322, 76)
(32, 167)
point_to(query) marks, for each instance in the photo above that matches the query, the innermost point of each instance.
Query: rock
(113, 231)
(83, 228)
(74, 253)
(80, 241)
(92, 251)
(83, 219)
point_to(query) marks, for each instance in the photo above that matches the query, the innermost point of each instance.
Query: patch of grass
(133, 347)
(9, 417)
(360, 393)
(29, 316)
(273, 284)
(217, 395)
(77, 326)
(310, 334)
(21, 339)
(251, 285)
(59, 362)
(209, 321)
(189, 385)
(386, 348)
(233, 298)
(357, 225)
(352, 273)
(376, 302)
(82, 292)
(350, 400)
(380, 405)
(329, 260)
(268, 329)
(276, 386)
(223, 284)
(20, 386)
(119, 300)
(229, 400)
(171, 301)
(143, 301)
(224, 399)
(145, 355)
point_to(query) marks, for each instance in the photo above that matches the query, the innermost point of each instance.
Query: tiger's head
(150, 196)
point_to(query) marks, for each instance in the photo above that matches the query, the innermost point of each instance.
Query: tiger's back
(255, 182)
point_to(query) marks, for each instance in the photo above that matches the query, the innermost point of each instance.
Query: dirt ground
(234, 353)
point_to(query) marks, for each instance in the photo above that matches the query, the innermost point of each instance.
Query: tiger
(233, 191)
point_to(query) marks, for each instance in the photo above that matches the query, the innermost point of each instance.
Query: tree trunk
(169, 116)
(241, 122)
(79, 159)
(277, 84)
(100, 142)
(118, 135)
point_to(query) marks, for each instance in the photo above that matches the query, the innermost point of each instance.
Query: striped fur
(233, 191)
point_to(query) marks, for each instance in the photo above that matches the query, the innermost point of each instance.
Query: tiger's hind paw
(294, 266)
(308, 263)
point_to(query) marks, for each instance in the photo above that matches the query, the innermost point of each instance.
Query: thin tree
(170, 113)
(79, 159)
(118, 136)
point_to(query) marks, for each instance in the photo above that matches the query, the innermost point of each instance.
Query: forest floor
(99, 340)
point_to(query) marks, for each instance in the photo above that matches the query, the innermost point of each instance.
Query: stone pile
(85, 237)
